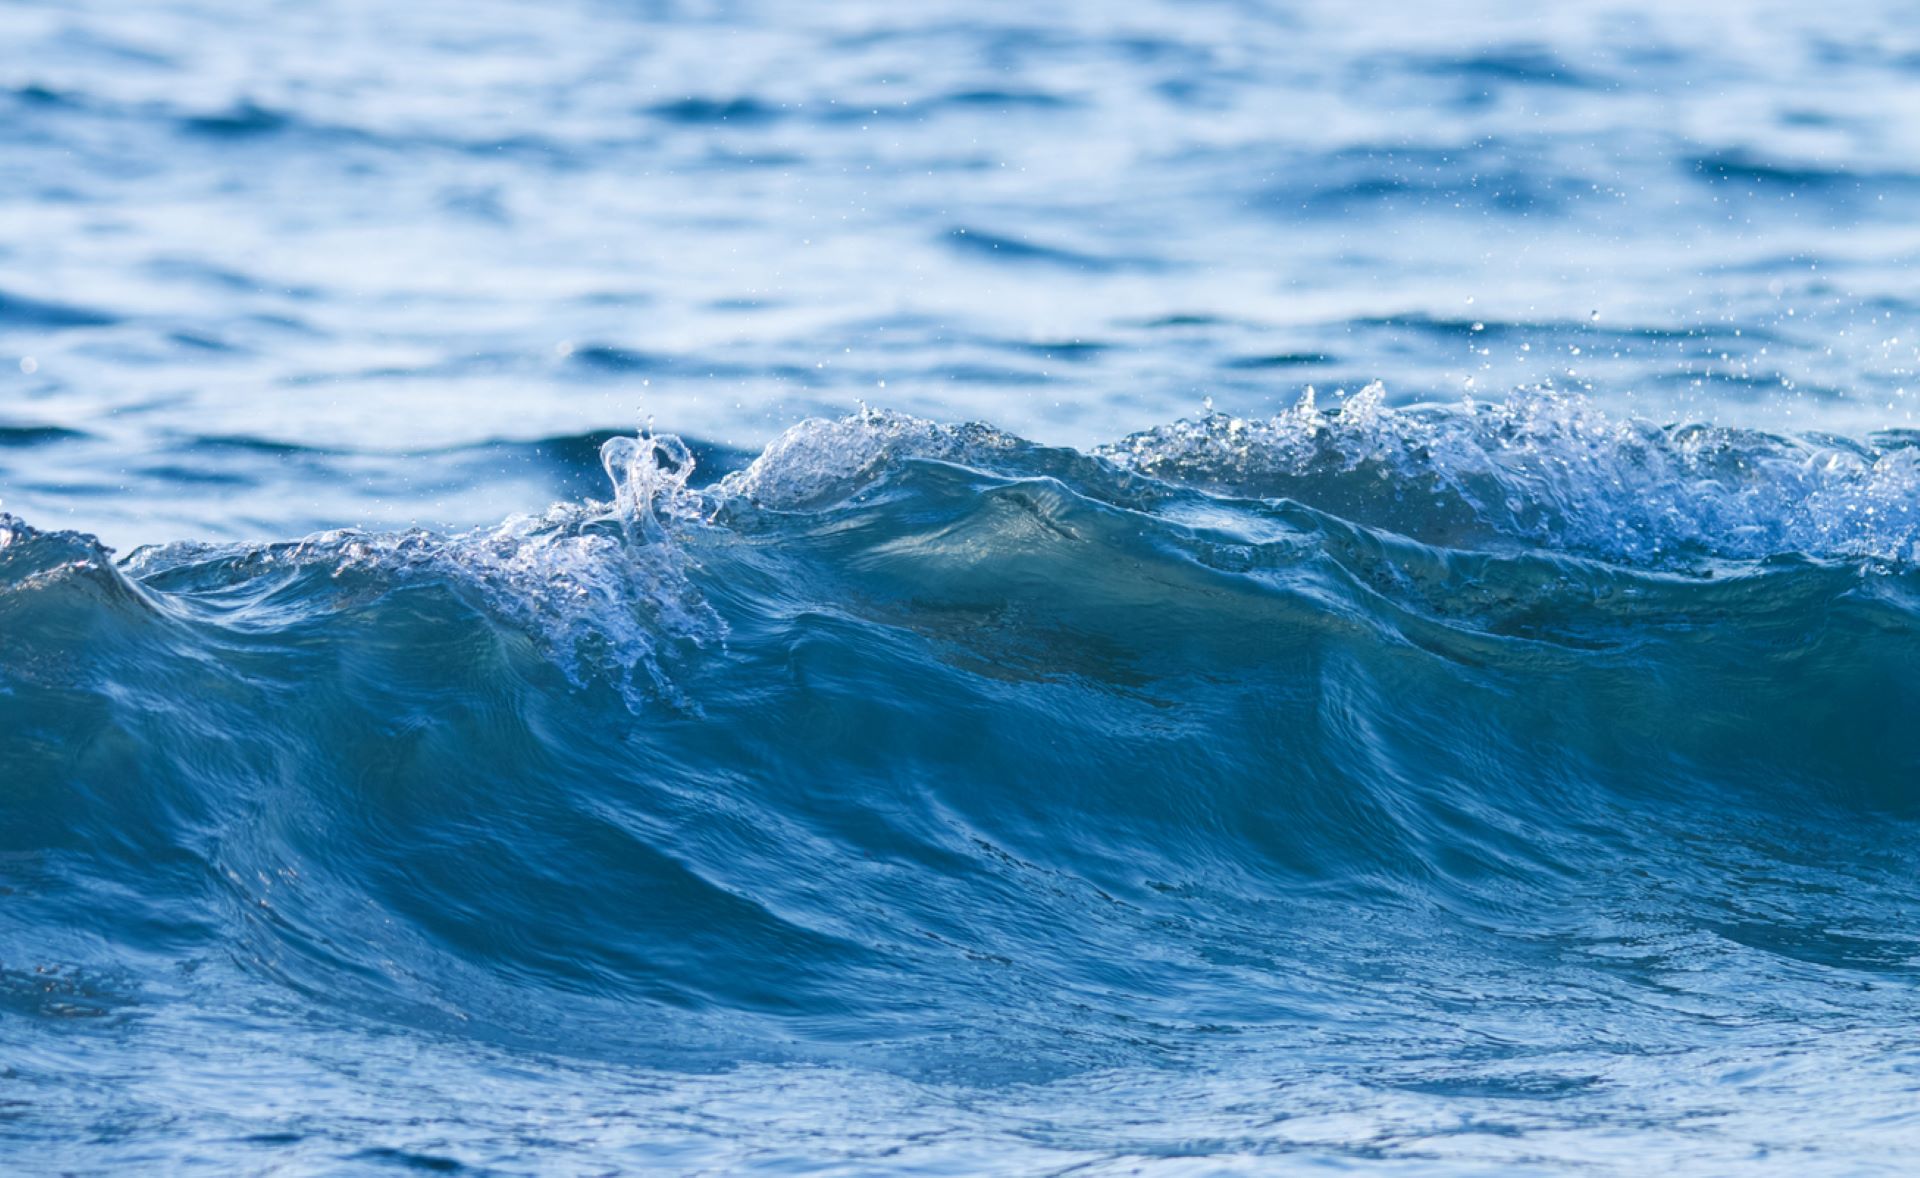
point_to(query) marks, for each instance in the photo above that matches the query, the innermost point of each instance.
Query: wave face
(1453, 788)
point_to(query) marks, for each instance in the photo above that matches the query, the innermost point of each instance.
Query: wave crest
(600, 586)
(1553, 470)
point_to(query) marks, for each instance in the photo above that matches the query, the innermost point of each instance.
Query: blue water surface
(616, 587)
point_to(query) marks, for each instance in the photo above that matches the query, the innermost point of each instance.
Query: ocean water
(613, 587)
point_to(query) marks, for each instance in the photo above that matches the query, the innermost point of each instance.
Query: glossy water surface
(1499, 758)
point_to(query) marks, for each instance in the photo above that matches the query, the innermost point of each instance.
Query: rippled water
(265, 251)
(1415, 670)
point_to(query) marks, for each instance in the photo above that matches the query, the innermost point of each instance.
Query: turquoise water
(1410, 670)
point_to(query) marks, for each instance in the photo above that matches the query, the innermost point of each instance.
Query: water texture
(1215, 588)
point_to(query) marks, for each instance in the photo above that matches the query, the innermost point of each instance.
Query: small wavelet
(18, 312)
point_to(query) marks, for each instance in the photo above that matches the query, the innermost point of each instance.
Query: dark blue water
(1414, 669)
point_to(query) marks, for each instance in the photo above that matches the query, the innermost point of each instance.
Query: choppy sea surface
(953, 588)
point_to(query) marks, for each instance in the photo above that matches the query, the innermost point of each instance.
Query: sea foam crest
(603, 587)
(1553, 470)
(1539, 469)
(30, 558)
(820, 460)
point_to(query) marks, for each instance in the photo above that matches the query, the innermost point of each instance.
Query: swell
(1100, 753)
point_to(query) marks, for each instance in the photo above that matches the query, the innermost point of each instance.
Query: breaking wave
(951, 754)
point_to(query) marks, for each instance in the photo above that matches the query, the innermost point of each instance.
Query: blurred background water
(272, 268)
(1507, 769)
